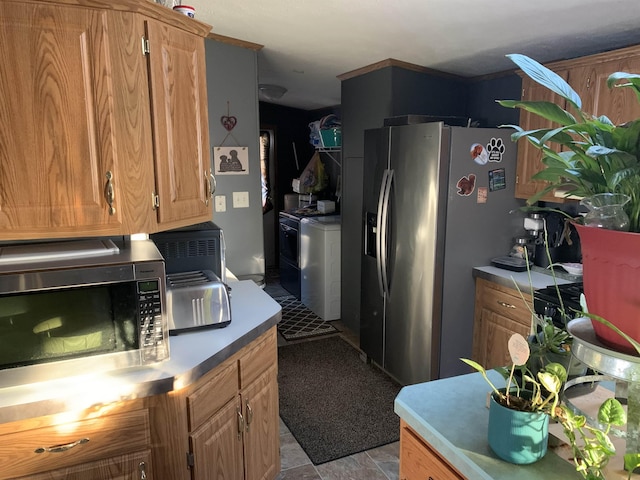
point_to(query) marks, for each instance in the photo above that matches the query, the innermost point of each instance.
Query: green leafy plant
(597, 156)
(544, 388)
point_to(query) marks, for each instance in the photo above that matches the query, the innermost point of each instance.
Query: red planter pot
(611, 276)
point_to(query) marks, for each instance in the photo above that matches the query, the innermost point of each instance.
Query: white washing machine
(320, 265)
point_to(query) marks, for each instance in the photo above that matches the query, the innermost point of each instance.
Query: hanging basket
(611, 277)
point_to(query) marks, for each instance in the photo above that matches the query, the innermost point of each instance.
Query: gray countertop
(192, 355)
(536, 278)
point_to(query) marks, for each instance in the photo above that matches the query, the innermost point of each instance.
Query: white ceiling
(308, 43)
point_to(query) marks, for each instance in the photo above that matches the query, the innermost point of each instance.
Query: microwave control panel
(152, 334)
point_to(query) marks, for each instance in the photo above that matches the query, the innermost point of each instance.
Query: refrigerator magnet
(482, 195)
(479, 154)
(495, 147)
(466, 185)
(497, 180)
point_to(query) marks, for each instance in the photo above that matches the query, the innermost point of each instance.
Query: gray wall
(394, 91)
(232, 76)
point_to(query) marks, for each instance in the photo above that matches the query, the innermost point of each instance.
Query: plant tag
(518, 349)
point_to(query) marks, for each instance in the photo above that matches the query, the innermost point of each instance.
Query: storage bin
(331, 137)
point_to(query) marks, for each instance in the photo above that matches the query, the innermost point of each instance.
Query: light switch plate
(221, 203)
(240, 199)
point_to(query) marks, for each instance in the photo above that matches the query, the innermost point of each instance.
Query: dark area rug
(299, 322)
(333, 403)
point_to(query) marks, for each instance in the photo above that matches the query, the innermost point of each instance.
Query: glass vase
(606, 210)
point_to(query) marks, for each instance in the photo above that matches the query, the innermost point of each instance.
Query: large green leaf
(612, 412)
(547, 110)
(633, 81)
(545, 77)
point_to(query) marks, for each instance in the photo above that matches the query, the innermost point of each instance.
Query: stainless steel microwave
(79, 307)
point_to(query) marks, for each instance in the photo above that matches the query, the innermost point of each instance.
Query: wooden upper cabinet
(588, 77)
(530, 157)
(177, 79)
(620, 105)
(57, 139)
(103, 116)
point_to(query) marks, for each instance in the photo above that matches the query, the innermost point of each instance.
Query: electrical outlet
(240, 199)
(221, 203)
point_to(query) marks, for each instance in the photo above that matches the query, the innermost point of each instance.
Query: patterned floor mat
(300, 322)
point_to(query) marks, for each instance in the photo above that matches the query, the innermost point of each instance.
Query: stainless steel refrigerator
(437, 202)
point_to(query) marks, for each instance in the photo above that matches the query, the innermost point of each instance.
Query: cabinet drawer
(506, 302)
(133, 466)
(54, 447)
(259, 358)
(213, 394)
(419, 461)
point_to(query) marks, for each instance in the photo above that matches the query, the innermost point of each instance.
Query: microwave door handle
(384, 235)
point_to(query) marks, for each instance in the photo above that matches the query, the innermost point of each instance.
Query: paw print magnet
(496, 149)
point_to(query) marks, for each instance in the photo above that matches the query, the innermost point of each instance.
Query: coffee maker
(562, 238)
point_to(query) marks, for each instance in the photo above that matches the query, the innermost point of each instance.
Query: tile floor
(376, 464)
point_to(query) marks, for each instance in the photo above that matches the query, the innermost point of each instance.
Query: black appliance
(289, 242)
(192, 248)
(546, 301)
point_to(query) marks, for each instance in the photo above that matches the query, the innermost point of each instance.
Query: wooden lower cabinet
(226, 425)
(419, 461)
(499, 313)
(216, 446)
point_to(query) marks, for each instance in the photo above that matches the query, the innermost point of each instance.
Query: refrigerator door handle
(383, 224)
(379, 217)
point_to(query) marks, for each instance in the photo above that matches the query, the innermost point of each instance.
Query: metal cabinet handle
(109, 193)
(505, 304)
(142, 467)
(210, 184)
(240, 423)
(249, 414)
(62, 447)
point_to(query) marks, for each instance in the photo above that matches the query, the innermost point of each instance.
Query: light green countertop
(451, 415)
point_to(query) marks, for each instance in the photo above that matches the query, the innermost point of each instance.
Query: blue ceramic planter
(517, 437)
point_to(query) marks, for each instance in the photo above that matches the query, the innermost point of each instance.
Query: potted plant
(519, 416)
(519, 413)
(597, 160)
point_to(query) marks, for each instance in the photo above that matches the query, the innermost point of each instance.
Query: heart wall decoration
(228, 122)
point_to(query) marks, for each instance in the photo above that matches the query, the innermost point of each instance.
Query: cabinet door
(499, 313)
(529, 157)
(418, 461)
(590, 82)
(261, 436)
(132, 466)
(180, 125)
(217, 446)
(56, 122)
